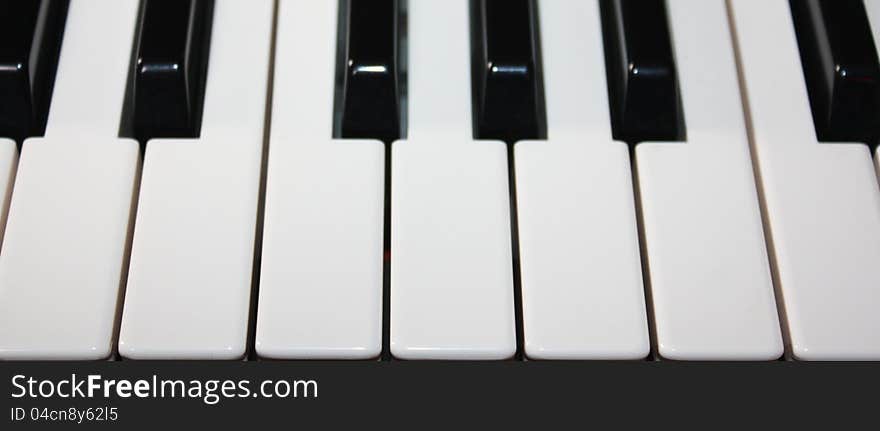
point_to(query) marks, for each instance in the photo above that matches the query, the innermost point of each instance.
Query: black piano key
(507, 89)
(371, 90)
(30, 42)
(841, 68)
(642, 78)
(171, 67)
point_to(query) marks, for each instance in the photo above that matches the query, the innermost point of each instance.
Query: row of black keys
(167, 80)
(170, 64)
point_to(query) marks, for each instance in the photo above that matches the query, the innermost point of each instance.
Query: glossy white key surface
(8, 167)
(710, 278)
(451, 261)
(579, 253)
(189, 282)
(822, 199)
(321, 276)
(63, 256)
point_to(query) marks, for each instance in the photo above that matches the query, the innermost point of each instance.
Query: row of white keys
(189, 281)
(64, 250)
(822, 199)
(452, 294)
(582, 290)
(321, 276)
(709, 272)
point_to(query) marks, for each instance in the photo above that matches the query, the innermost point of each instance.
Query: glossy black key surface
(30, 41)
(841, 68)
(371, 88)
(507, 89)
(642, 81)
(170, 69)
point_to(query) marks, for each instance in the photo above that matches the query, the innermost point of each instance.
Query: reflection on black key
(371, 92)
(643, 86)
(841, 68)
(30, 41)
(508, 96)
(169, 76)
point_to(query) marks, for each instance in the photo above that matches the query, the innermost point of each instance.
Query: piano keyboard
(425, 179)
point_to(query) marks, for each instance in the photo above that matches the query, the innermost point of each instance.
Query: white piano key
(711, 286)
(189, 281)
(62, 260)
(451, 264)
(822, 199)
(321, 277)
(582, 289)
(8, 167)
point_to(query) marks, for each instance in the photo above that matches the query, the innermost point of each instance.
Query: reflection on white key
(8, 167)
(583, 296)
(710, 276)
(62, 260)
(451, 266)
(321, 276)
(822, 199)
(189, 282)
